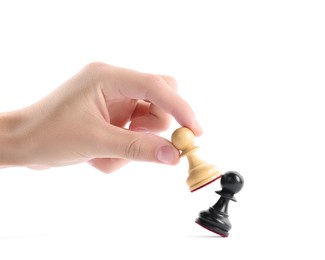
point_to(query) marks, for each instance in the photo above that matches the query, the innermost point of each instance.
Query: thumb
(139, 146)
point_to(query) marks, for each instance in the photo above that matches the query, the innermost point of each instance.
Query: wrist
(12, 138)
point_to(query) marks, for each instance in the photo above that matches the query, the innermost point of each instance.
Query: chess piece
(200, 172)
(216, 218)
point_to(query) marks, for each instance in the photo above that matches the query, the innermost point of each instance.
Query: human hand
(83, 120)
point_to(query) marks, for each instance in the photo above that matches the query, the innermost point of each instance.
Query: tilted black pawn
(216, 218)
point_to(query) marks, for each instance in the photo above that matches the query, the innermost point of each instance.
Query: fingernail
(166, 155)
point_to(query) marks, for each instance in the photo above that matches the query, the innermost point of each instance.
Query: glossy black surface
(216, 218)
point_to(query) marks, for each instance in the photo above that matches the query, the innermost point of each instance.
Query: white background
(253, 71)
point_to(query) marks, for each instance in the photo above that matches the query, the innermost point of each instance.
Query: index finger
(154, 88)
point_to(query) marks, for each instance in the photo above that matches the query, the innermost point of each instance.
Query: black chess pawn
(216, 218)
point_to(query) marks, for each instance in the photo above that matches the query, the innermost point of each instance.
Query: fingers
(154, 88)
(137, 146)
(147, 117)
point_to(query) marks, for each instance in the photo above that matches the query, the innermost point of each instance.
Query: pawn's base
(204, 183)
(215, 221)
(212, 228)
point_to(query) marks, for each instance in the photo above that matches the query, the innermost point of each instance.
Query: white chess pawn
(200, 172)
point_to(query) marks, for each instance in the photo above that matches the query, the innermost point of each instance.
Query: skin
(84, 120)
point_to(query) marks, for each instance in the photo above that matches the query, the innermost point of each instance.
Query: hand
(85, 118)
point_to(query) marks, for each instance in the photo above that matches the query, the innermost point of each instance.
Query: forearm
(11, 151)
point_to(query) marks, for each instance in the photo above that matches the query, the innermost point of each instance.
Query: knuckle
(170, 81)
(96, 71)
(154, 80)
(94, 65)
(153, 84)
(159, 83)
(134, 149)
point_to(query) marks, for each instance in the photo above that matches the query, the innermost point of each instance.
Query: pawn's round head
(183, 138)
(232, 181)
